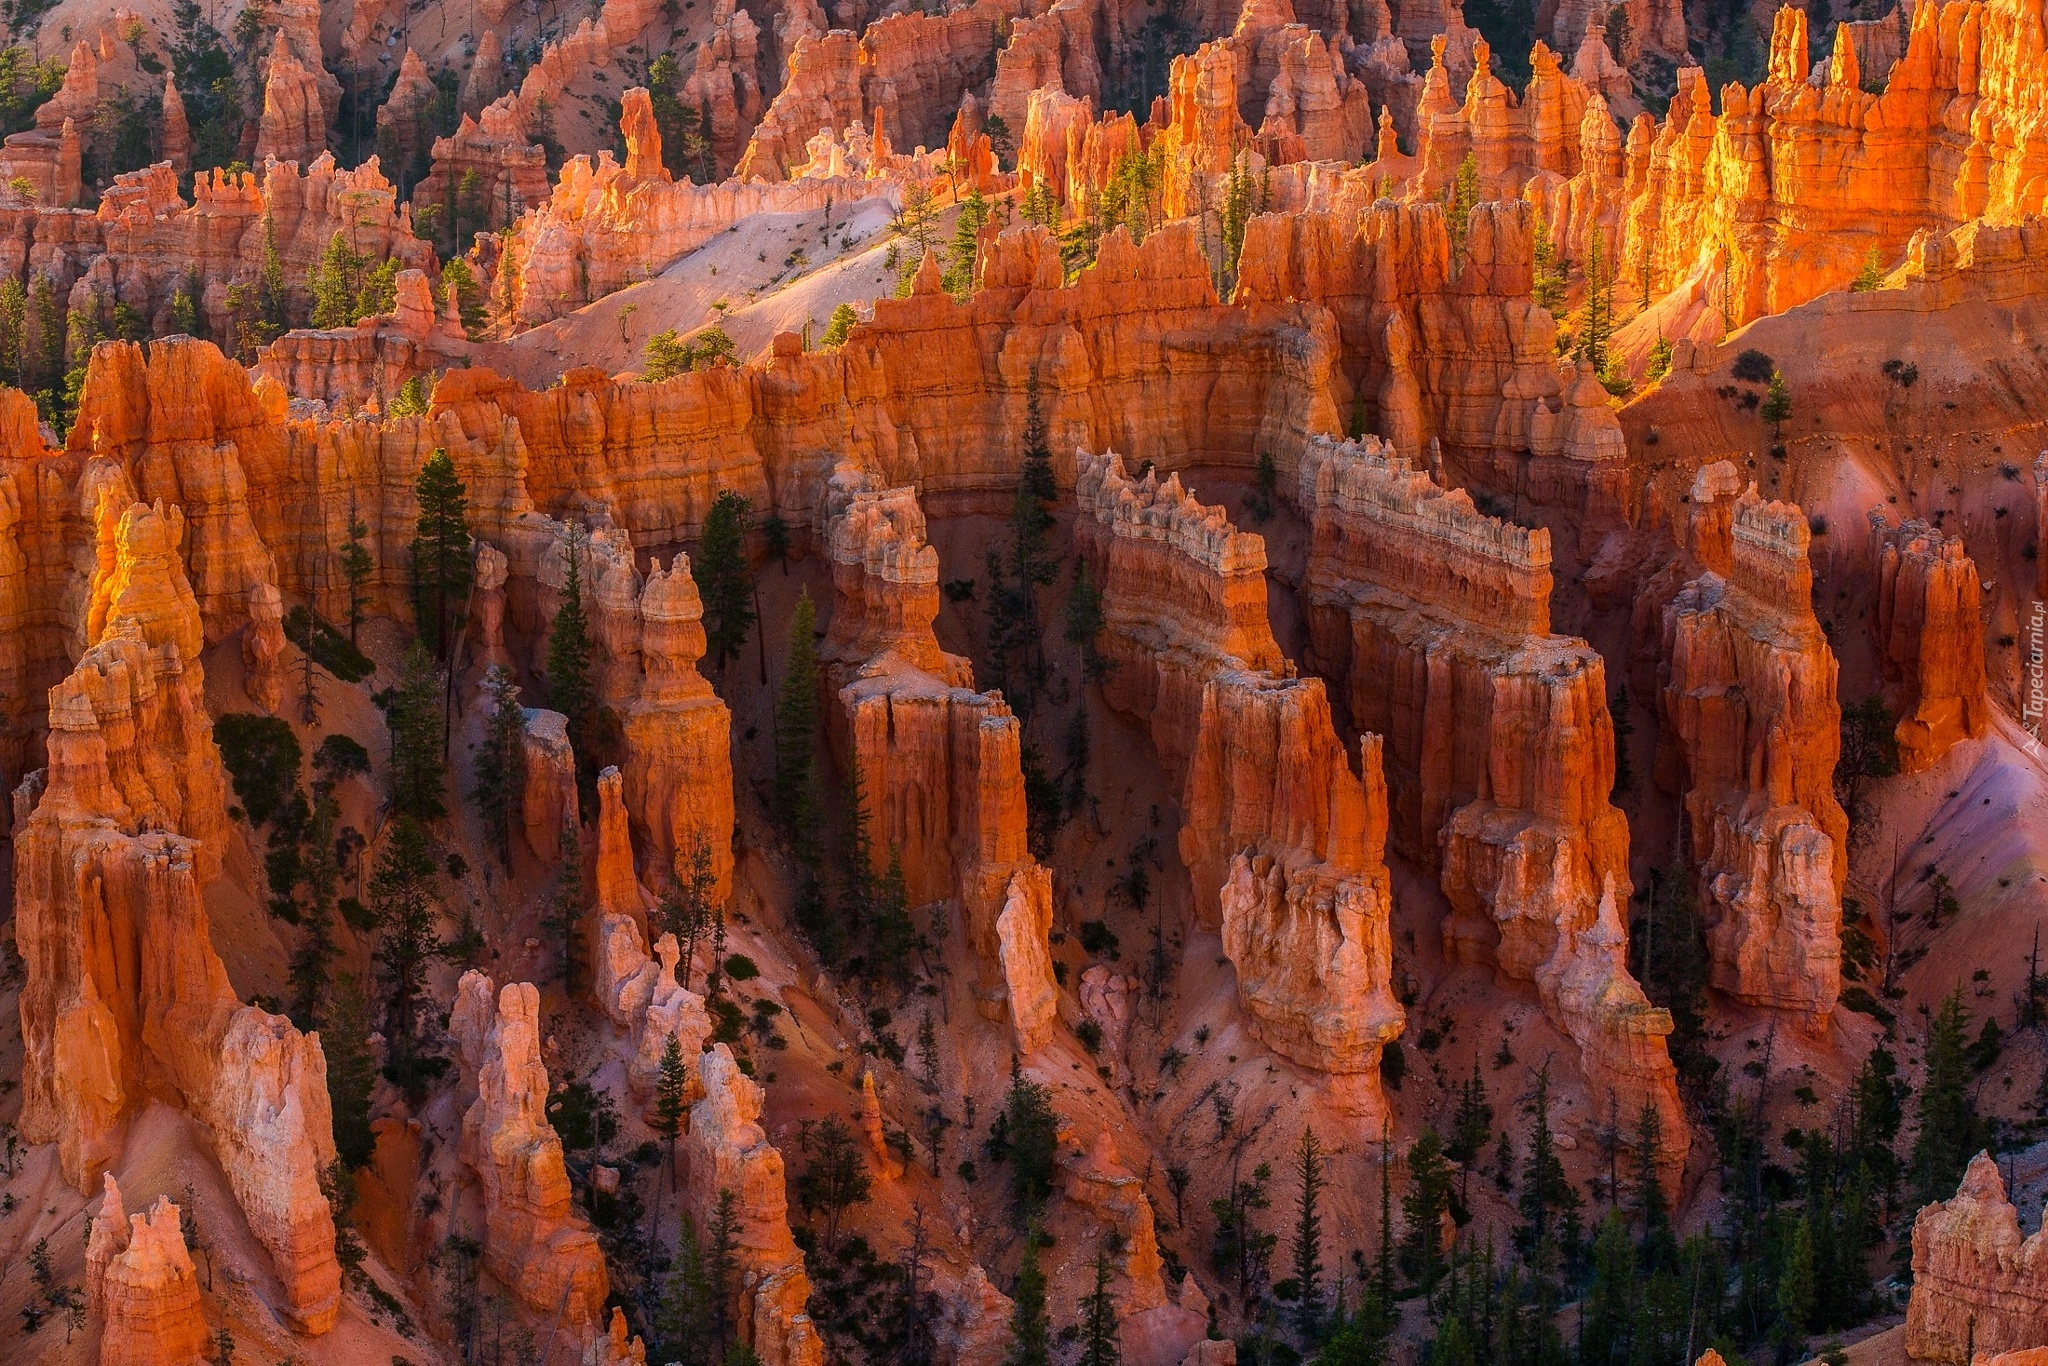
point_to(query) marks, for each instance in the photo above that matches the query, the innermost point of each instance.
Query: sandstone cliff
(1282, 839)
(1500, 749)
(728, 1151)
(125, 994)
(1751, 733)
(940, 764)
(142, 1286)
(1977, 1284)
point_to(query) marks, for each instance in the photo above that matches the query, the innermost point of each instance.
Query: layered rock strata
(1751, 733)
(125, 995)
(535, 1241)
(1282, 839)
(142, 1286)
(1499, 749)
(940, 764)
(1929, 638)
(1978, 1285)
(727, 1150)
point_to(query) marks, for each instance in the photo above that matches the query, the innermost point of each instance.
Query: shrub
(1754, 367)
(262, 758)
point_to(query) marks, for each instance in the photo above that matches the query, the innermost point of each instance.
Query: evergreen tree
(1239, 1249)
(1777, 404)
(273, 303)
(1795, 1292)
(457, 277)
(1030, 1326)
(356, 567)
(671, 1097)
(1463, 198)
(835, 1179)
(1548, 1202)
(1609, 1306)
(1028, 1131)
(1949, 1129)
(796, 726)
(14, 340)
(1596, 313)
(570, 688)
(564, 920)
(722, 1265)
(1308, 1236)
(724, 579)
(1423, 1207)
(1648, 1193)
(335, 280)
(1015, 635)
(959, 274)
(413, 714)
(1660, 359)
(351, 1071)
(1099, 1346)
(844, 318)
(501, 760)
(1871, 276)
(441, 562)
(401, 899)
(1876, 1113)
(1471, 1126)
(683, 1321)
(1547, 285)
(1084, 623)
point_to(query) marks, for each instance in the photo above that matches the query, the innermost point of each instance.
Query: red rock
(142, 1284)
(1500, 749)
(535, 1241)
(728, 1151)
(1928, 636)
(1282, 840)
(1752, 732)
(1977, 1284)
(548, 802)
(294, 125)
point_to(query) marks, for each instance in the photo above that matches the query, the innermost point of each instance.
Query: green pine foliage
(725, 581)
(796, 725)
(351, 1071)
(413, 715)
(959, 273)
(442, 563)
(402, 901)
(844, 318)
(571, 689)
(668, 355)
(1030, 1324)
(500, 760)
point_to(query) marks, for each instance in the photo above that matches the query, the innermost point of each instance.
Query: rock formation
(1750, 738)
(728, 1151)
(294, 125)
(1929, 638)
(263, 648)
(548, 803)
(125, 995)
(535, 1241)
(1282, 839)
(142, 1286)
(1977, 1283)
(940, 764)
(1798, 180)
(1499, 748)
(678, 763)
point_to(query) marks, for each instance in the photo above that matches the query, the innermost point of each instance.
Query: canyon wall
(940, 765)
(1500, 749)
(1282, 840)
(1751, 731)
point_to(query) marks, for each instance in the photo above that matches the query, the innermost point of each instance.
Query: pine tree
(959, 274)
(273, 308)
(1015, 635)
(469, 295)
(1609, 1305)
(1471, 1126)
(1030, 1326)
(1871, 276)
(1660, 359)
(835, 1179)
(401, 899)
(356, 567)
(1308, 1236)
(722, 1264)
(796, 725)
(1085, 622)
(1547, 285)
(1596, 314)
(1423, 1207)
(683, 1321)
(1949, 1129)
(725, 582)
(844, 318)
(501, 760)
(569, 683)
(351, 1071)
(1648, 1192)
(1777, 404)
(14, 341)
(335, 279)
(412, 711)
(1464, 197)
(671, 1096)
(441, 563)
(564, 921)
(1795, 1290)
(1099, 1346)
(1548, 1202)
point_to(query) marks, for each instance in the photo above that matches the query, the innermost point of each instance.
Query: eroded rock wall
(1978, 1285)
